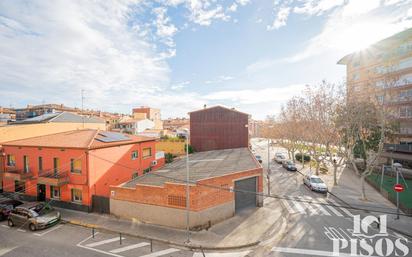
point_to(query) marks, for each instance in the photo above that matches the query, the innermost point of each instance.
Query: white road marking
(320, 207)
(5, 226)
(309, 205)
(48, 231)
(105, 242)
(342, 208)
(238, 254)
(331, 208)
(21, 230)
(299, 207)
(6, 250)
(96, 250)
(129, 247)
(160, 253)
(312, 252)
(286, 203)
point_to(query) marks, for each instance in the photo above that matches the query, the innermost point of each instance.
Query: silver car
(315, 184)
(34, 216)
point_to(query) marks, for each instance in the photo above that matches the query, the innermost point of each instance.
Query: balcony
(17, 174)
(53, 179)
(401, 148)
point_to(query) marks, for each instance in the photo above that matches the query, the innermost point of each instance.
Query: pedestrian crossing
(127, 247)
(306, 205)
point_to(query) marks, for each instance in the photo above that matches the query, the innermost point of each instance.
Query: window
(135, 175)
(405, 112)
(25, 164)
(55, 192)
(75, 166)
(40, 163)
(134, 155)
(56, 165)
(355, 76)
(19, 186)
(76, 195)
(147, 152)
(11, 160)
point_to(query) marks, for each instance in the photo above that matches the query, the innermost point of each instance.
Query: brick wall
(205, 194)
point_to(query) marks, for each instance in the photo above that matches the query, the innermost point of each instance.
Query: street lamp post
(187, 191)
(397, 167)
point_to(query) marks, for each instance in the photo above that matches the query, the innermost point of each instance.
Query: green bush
(190, 148)
(169, 157)
(298, 157)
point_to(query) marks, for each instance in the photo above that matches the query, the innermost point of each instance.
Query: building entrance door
(41, 192)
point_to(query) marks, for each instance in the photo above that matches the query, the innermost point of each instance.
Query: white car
(279, 157)
(315, 184)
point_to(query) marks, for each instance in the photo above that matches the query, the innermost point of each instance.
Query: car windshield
(41, 209)
(258, 157)
(290, 163)
(316, 180)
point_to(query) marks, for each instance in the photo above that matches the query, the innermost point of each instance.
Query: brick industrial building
(217, 128)
(73, 167)
(219, 181)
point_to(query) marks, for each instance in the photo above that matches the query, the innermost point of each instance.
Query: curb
(187, 246)
(367, 211)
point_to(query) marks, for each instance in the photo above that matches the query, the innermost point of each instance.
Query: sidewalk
(348, 191)
(244, 230)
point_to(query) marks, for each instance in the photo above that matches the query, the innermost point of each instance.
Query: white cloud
(165, 29)
(220, 79)
(233, 7)
(316, 7)
(202, 15)
(360, 7)
(50, 51)
(348, 31)
(281, 18)
(243, 2)
(257, 96)
(180, 85)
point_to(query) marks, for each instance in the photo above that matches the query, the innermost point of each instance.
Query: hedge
(298, 157)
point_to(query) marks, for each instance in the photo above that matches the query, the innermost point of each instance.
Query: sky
(178, 55)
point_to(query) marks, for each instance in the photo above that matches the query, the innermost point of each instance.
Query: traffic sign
(398, 188)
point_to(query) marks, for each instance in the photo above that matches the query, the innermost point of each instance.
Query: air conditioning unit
(154, 163)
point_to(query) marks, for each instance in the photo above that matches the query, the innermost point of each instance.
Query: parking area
(70, 240)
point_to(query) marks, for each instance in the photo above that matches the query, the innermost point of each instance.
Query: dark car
(34, 215)
(289, 165)
(258, 158)
(6, 206)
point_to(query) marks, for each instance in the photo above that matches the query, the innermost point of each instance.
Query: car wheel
(10, 223)
(2, 216)
(32, 227)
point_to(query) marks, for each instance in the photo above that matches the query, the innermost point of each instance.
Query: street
(308, 225)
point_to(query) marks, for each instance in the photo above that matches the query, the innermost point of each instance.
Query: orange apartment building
(383, 73)
(75, 169)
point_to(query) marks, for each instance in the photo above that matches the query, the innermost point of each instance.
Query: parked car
(289, 165)
(279, 157)
(258, 158)
(34, 215)
(315, 184)
(6, 206)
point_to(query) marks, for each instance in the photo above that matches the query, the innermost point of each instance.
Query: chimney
(204, 106)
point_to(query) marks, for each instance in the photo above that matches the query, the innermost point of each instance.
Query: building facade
(383, 73)
(135, 127)
(152, 114)
(217, 128)
(219, 182)
(72, 167)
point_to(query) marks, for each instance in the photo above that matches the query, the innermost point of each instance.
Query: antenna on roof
(82, 107)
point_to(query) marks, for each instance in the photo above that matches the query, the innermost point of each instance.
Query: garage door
(242, 199)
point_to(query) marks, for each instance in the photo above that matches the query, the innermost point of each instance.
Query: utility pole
(82, 92)
(397, 167)
(187, 191)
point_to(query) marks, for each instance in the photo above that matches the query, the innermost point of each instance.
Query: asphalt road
(313, 221)
(309, 223)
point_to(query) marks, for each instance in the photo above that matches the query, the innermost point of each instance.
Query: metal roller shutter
(242, 199)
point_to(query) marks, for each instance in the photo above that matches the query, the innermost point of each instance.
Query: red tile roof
(83, 139)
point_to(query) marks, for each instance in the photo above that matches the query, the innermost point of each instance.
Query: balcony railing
(17, 174)
(53, 178)
(403, 148)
